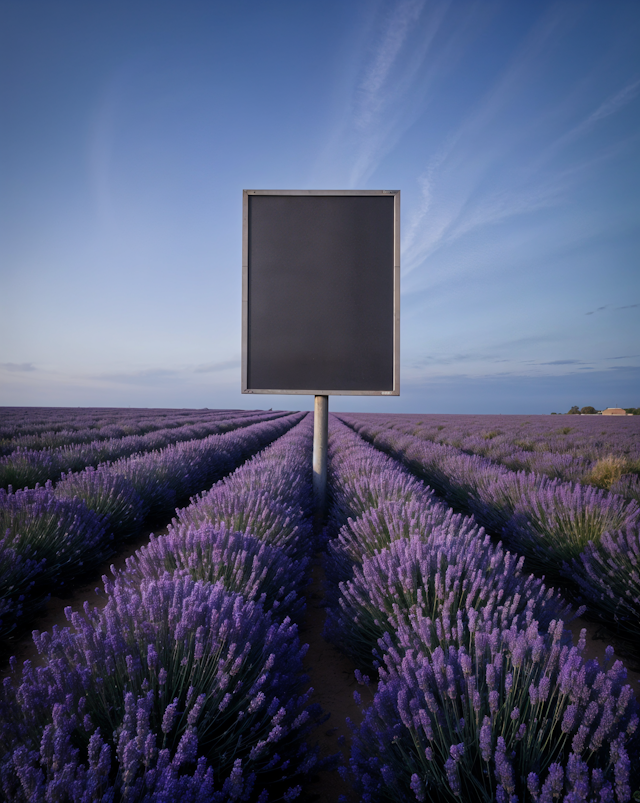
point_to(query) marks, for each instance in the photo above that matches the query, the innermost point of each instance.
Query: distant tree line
(575, 410)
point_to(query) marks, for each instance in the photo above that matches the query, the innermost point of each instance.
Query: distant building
(614, 411)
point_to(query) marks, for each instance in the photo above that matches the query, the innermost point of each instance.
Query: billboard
(321, 292)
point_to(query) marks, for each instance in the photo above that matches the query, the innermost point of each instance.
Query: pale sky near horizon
(128, 131)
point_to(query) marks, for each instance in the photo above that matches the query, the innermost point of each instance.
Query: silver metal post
(320, 436)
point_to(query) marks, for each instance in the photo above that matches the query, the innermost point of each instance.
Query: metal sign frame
(396, 294)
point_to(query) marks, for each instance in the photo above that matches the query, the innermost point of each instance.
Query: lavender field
(457, 551)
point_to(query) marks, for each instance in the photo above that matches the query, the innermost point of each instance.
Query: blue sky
(128, 131)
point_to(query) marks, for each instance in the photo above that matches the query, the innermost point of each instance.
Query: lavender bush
(154, 488)
(513, 717)
(553, 522)
(18, 575)
(608, 574)
(269, 497)
(363, 485)
(177, 676)
(27, 469)
(377, 528)
(108, 494)
(361, 481)
(628, 486)
(249, 511)
(449, 571)
(46, 541)
(241, 562)
(187, 468)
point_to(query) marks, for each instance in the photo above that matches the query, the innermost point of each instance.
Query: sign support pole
(320, 437)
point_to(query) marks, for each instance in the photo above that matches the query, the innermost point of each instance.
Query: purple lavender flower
(203, 727)
(415, 678)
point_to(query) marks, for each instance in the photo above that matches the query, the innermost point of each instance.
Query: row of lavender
(187, 686)
(25, 421)
(481, 695)
(31, 428)
(28, 467)
(591, 437)
(49, 535)
(603, 452)
(570, 533)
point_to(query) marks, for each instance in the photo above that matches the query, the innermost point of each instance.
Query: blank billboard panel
(321, 284)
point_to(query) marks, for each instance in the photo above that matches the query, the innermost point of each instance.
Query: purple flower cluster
(628, 486)
(107, 493)
(514, 716)
(481, 697)
(188, 684)
(268, 497)
(45, 540)
(453, 570)
(50, 534)
(608, 573)
(174, 671)
(239, 560)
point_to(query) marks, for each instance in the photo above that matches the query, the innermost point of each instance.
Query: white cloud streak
(17, 367)
(406, 55)
(215, 367)
(100, 154)
(492, 168)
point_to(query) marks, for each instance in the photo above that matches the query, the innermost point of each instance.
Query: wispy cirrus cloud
(624, 357)
(562, 362)
(496, 165)
(386, 78)
(372, 94)
(467, 184)
(610, 105)
(20, 367)
(610, 306)
(214, 367)
(411, 46)
(143, 376)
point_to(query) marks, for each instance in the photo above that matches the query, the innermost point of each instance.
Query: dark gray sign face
(321, 287)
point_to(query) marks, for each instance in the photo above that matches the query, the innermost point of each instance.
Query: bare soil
(597, 641)
(332, 677)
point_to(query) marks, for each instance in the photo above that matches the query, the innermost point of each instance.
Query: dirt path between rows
(331, 675)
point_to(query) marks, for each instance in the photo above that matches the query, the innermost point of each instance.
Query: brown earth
(331, 675)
